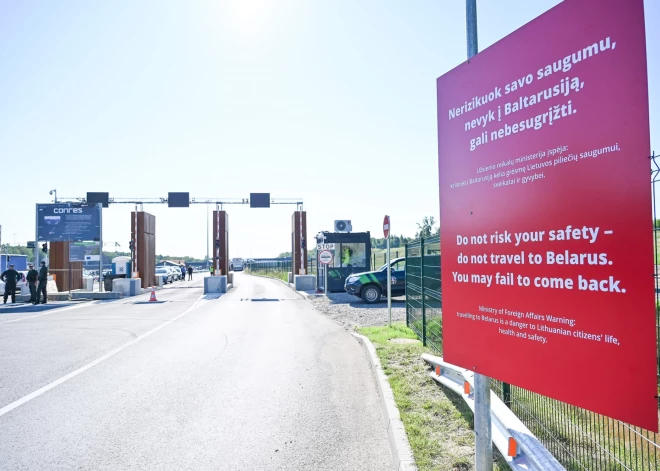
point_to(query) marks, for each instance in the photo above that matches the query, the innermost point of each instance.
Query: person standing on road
(10, 277)
(32, 278)
(183, 273)
(190, 270)
(211, 270)
(43, 281)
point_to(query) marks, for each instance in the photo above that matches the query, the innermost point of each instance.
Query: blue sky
(332, 102)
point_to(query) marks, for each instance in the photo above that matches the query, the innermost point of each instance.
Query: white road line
(10, 407)
(48, 311)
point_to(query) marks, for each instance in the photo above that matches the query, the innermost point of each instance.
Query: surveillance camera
(50, 192)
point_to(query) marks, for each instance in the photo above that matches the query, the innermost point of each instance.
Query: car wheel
(370, 294)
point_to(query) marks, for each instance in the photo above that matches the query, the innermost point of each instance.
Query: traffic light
(217, 243)
(44, 247)
(304, 244)
(131, 245)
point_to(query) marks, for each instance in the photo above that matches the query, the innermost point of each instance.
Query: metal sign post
(36, 236)
(386, 233)
(216, 264)
(135, 244)
(101, 247)
(482, 423)
(302, 249)
(319, 249)
(325, 258)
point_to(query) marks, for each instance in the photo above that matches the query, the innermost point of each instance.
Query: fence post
(405, 253)
(421, 283)
(506, 394)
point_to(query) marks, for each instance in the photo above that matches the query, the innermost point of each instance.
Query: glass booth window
(352, 255)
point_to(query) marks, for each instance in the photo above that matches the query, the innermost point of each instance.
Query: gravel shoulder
(351, 312)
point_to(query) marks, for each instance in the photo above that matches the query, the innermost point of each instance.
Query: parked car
(176, 274)
(371, 285)
(165, 274)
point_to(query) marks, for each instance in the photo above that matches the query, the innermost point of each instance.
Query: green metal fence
(423, 293)
(579, 439)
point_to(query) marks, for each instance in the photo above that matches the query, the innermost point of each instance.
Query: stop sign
(386, 227)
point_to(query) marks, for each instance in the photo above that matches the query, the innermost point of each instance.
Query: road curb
(402, 457)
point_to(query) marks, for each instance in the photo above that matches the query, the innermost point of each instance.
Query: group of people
(37, 282)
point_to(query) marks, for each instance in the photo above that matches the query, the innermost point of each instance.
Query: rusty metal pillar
(220, 242)
(68, 275)
(143, 233)
(298, 234)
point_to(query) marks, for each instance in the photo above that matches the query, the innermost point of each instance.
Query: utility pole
(482, 424)
(207, 237)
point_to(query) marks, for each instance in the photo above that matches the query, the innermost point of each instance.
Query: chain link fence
(579, 439)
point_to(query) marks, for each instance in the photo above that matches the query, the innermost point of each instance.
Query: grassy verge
(280, 275)
(438, 423)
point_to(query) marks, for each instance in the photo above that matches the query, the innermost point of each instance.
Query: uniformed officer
(10, 277)
(43, 281)
(32, 279)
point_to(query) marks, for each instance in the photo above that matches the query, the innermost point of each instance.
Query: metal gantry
(219, 202)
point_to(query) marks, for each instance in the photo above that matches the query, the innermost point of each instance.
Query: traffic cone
(153, 295)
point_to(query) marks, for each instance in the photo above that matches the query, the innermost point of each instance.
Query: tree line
(107, 255)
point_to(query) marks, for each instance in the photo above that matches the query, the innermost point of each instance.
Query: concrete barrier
(127, 286)
(215, 284)
(88, 283)
(304, 282)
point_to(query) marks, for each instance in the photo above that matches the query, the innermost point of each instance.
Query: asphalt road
(252, 380)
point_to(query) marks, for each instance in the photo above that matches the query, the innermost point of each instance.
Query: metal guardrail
(517, 444)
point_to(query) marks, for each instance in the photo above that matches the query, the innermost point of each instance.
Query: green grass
(380, 253)
(439, 424)
(277, 274)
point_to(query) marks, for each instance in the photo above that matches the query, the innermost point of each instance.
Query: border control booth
(352, 255)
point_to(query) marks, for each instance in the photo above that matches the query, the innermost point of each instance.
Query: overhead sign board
(102, 198)
(68, 222)
(259, 200)
(545, 210)
(325, 257)
(329, 246)
(178, 200)
(386, 227)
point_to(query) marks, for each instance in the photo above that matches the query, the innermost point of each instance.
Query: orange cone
(153, 295)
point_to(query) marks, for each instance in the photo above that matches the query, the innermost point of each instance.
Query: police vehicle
(371, 285)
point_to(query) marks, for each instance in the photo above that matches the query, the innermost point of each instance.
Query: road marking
(10, 407)
(49, 311)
